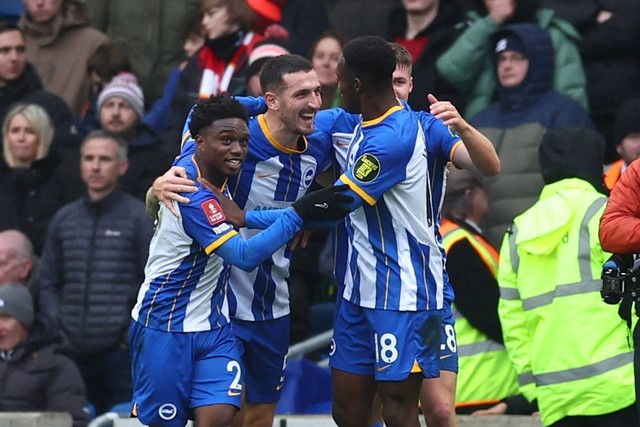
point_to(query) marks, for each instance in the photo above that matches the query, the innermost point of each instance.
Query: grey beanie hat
(16, 301)
(125, 86)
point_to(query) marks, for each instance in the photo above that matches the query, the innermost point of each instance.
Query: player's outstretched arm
(478, 152)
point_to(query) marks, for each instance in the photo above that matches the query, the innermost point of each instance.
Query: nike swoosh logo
(234, 393)
(278, 387)
(322, 205)
(342, 144)
(382, 368)
(445, 356)
(264, 175)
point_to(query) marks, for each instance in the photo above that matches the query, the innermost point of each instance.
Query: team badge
(453, 132)
(213, 211)
(366, 168)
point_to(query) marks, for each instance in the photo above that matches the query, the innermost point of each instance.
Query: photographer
(620, 232)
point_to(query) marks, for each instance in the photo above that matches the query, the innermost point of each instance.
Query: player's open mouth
(307, 116)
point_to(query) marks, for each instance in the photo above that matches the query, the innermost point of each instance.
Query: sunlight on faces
(12, 332)
(12, 56)
(325, 60)
(299, 101)
(512, 68)
(222, 147)
(43, 10)
(402, 82)
(117, 115)
(629, 148)
(23, 140)
(100, 166)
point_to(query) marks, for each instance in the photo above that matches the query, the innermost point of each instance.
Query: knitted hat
(459, 181)
(125, 86)
(627, 120)
(510, 42)
(265, 50)
(16, 301)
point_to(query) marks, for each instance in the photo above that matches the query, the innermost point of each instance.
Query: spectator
(20, 83)
(527, 107)
(219, 65)
(627, 137)
(35, 377)
(59, 44)
(152, 33)
(16, 257)
(91, 269)
(263, 51)
(324, 57)
(468, 63)
(356, 18)
(306, 20)
(549, 276)
(35, 180)
(426, 28)
(106, 62)
(609, 46)
(120, 109)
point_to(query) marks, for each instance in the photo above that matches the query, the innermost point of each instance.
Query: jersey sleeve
(380, 163)
(187, 143)
(440, 139)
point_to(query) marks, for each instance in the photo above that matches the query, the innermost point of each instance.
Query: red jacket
(620, 224)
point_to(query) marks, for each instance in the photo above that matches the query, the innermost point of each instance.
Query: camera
(619, 282)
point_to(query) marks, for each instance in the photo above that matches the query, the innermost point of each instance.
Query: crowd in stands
(93, 98)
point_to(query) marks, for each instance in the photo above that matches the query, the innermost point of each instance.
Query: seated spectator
(120, 111)
(324, 58)
(91, 268)
(527, 107)
(59, 44)
(627, 137)
(35, 377)
(19, 83)
(35, 181)
(467, 63)
(219, 65)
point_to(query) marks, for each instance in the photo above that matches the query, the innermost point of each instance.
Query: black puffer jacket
(91, 269)
(38, 378)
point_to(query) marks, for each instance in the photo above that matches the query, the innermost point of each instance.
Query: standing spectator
(609, 46)
(324, 58)
(91, 269)
(426, 28)
(19, 83)
(151, 32)
(527, 107)
(16, 257)
(120, 111)
(485, 375)
(35, 377)
(627, 138)
(578, 366)
(59, 44)
(219, 66)
(268, 48)
(35, 180)
(468, 63)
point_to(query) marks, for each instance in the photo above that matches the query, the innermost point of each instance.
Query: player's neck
(375, 105)
(209, 174)
(280, 132)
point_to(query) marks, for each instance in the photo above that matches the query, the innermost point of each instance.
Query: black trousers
(627, 417)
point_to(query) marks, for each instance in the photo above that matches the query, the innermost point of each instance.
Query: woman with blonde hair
(33, 180)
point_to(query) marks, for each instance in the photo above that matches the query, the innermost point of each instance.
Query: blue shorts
(448, 343)
(263, 348)
(175, 372)
(385, 344)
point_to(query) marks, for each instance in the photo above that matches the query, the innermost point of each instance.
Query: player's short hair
(403, 57)
(216, 107)
(273, 71)
(371, 59)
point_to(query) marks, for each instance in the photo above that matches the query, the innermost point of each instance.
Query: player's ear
(271, 99)
(357, 85)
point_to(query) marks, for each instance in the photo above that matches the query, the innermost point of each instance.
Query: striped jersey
(272, 177)
(185, 281)
(394, 260)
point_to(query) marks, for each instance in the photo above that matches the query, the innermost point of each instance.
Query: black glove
(328, 204)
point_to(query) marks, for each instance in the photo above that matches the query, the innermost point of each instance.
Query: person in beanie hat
(626, 134)
(34, 376)
(120, 111)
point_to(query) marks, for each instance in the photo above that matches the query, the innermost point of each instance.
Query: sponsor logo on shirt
(213, 211)
(222, 228)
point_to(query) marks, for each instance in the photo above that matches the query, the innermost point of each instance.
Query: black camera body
(619, 283)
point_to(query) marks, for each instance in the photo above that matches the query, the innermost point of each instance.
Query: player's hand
(167, 187)
(329, 204)
(231, 210)
(448, 113)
